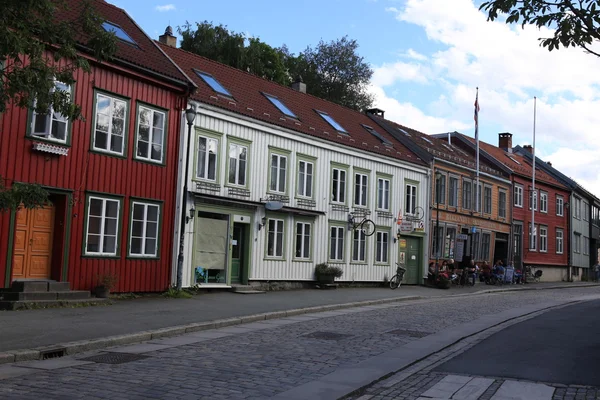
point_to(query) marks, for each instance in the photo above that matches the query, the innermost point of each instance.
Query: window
(502, 204)
(52, 125)
(559, 241)
(426, 139)
(280, 106)
(383, 194)
(207, 158)
(577, 211)
(332, 122)
(453, 193)
(438, 241)
(533, 195)
(382, 245)
(586, 246)
(411, 198)
(585, 211)
(278, 173)
(360, 189)
(485, 246)
(532, 242)
(476, 237)
(338, 194)
(487, 199)
(359, 249)
(560, 206)
(150, 134)
(305, 178)
(275, 238)
(478, 198)
(237, 164)
(467, 195)
(449, 242)
(518, 196)
(118, 31)
(577, 243)
(102, 226)
(543, 202)
(543, 239)
(143, 240)
(213, 83)
(336, 246)
(303, 232)
(440, 189)
(378, 136)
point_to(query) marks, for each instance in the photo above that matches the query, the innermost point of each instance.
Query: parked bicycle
(366, 225)
(396, 280)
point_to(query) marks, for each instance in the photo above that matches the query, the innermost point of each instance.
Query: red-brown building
(111, 177)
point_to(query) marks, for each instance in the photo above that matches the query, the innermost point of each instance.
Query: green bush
(325, 270)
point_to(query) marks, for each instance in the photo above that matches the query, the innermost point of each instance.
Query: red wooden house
(111, 176)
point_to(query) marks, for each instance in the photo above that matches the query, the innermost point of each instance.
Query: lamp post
(190, 116)
(437, 221)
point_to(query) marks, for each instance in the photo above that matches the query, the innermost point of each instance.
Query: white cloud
(166, 7)
(509, 67)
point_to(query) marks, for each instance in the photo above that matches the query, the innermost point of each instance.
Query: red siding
(83, 171)
(549, 219)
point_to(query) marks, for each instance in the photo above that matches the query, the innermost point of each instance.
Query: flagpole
(533, 193)
(478, 195)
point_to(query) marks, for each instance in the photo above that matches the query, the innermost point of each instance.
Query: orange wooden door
(34, 230)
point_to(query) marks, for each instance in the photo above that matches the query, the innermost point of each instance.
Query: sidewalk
(40, 328)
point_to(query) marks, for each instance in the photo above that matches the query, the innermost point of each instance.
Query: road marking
(513, 390)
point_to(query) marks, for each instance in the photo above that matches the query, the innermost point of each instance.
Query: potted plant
(326, 274)
(443, 281)
(106, 282)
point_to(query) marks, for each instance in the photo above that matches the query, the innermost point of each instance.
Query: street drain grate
(404, 332)
(114, 358)
(327, 335)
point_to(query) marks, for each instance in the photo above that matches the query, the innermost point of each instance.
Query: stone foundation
(297, 285)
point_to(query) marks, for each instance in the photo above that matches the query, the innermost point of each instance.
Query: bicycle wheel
(395, 281)
(418, 213)
(368, 227)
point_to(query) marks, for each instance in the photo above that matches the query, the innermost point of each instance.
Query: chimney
(376, 111)
(298, 85)
(549, 163)
(528, 148)
(168, 37)
(505, 141)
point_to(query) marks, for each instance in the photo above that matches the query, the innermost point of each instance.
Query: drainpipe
(569, 257)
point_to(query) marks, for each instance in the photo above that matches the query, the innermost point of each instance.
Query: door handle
(30, 242)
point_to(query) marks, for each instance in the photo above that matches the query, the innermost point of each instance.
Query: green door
(237, 252)
(413, 261)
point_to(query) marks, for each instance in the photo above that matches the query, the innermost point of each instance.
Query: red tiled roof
(248, 99)
(146, 55)
(519, 164)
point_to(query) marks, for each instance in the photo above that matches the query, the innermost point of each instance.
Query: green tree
(35, 49)
(576, 22)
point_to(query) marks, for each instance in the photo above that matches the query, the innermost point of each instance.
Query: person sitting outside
(486, 272)
(444, 267)
(471, 272)
(431, 274)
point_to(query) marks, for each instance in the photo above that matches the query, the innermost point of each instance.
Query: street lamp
(190, 116)
(438, 176)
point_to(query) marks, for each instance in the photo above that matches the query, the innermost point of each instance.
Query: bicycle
(366, 225)
(396, 280)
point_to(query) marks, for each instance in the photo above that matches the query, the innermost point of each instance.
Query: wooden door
(237, 252)
(34, 230)
(413, 261)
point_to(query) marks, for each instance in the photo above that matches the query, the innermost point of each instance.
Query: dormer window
(378, 136)
(280, 106)
(213, 83)
(332, 122)
(118, 31)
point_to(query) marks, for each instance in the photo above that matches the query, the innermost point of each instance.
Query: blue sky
(428, 57)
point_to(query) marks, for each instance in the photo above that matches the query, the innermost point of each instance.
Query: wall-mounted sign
(402, 258)
(402, 243)
(406, 226)
(462, 236)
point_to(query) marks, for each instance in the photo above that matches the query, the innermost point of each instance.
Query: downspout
(430, 183)
(569, 257)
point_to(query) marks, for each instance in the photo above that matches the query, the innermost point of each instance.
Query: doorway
(211, 245)
(501, 248)
(413, 261)
(34, 232)
(518, 247)
(238, 253)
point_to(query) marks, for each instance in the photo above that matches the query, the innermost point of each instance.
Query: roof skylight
(403, 131)
(118, 31)
(279, 104)
(377, 135)
(448, 147)
(332, 122)
(426, 139)
(213, 83)
(513, 159)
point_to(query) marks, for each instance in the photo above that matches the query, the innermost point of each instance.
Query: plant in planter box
(326, 274)
(106, 282)
(443, 281)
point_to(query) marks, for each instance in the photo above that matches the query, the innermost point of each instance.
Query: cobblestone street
(263, 359)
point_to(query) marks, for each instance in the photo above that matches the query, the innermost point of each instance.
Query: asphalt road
(561, 346)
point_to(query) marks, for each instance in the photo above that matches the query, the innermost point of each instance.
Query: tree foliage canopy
(576, 22)
(333, 71)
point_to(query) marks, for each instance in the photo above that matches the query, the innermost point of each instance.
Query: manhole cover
(404, 332)
(114, 358)
(327, 335)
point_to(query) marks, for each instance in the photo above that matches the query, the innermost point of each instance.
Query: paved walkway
(38, 328)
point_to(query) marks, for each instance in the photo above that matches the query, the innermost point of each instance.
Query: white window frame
(467, 200)
(533, 195)
(486, 256)
(338, 185)
(411, 199)
(577, 208)
(150, 142)
(543, 201)
(305, 187)
(559, 241)
(577, 243)
(485, 198)
(532, 233)
(543, 238)
(560, 206)
(383, 193)
(301, 235)
(337, 240)
(276, 232)
(440, 183)
(361, 189)
(209, 140)
(518, 197)
(238, 161)
(102, 234)
(359, 238)
(50, 118)
(110, 134)
(382, 239)
(502, 210)
(144, 236)
(278, 170)
(453, 195)
(585, 210)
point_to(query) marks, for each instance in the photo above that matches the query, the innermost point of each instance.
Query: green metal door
(237, 252)
(413, 261)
